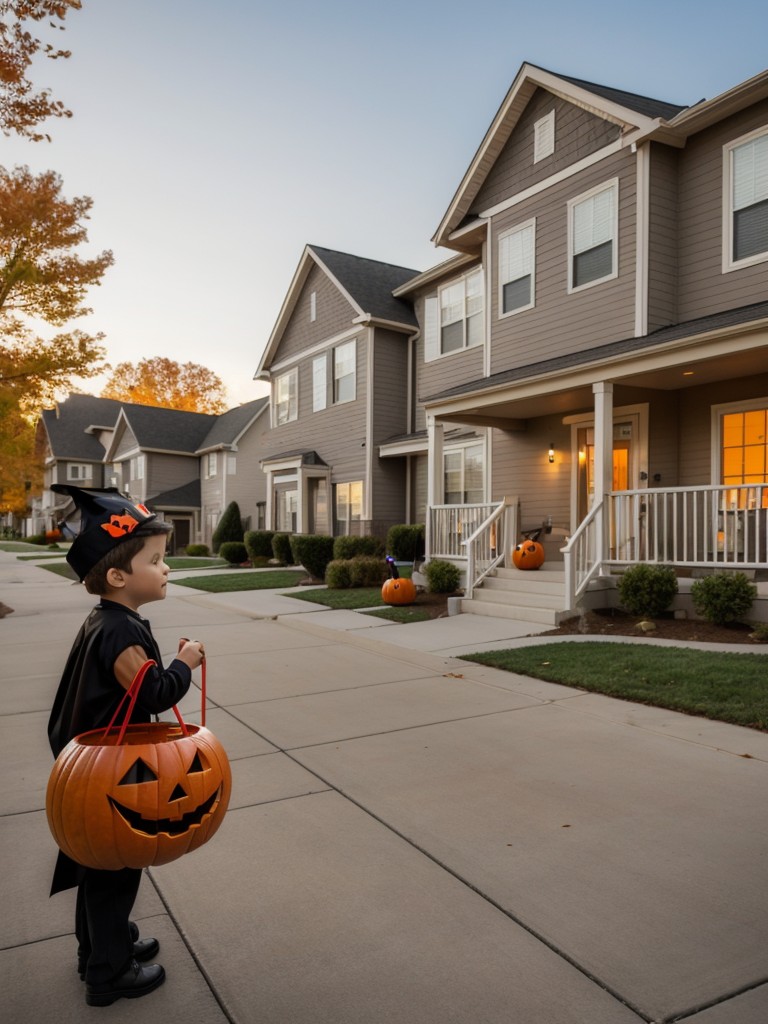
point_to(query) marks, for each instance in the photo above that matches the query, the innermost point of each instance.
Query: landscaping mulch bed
(614, 622)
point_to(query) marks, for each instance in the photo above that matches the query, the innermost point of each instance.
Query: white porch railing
(581, 561)
(451, 525)
(487, 547)
(690, 526)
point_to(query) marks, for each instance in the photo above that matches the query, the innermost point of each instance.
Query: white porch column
(435, 476)
(603, 393)
(269, 505)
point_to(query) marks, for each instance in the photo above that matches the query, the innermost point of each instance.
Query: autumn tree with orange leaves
(161, 381)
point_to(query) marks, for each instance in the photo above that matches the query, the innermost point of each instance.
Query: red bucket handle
(132, 694)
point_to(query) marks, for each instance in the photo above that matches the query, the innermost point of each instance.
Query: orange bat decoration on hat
(120, 526)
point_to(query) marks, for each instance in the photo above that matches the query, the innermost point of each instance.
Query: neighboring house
(339, 360)
(604, 331)
(163, 458)
(229, 467)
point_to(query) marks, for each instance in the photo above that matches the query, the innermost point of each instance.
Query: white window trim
(85, 471)
(460, 446)
(343, 401)
(729, 264)
(211, 460)
(572, 204)
(544, 137)
(290, 419)
(505, 234)
(718, 411)
(439, 354)
(312, 307)
(320, 391)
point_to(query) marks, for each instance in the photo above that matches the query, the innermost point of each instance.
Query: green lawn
(226, 583)
(727, 687)
(353, 598)
(185, 562)
(401, 613)
(61, 569)
(43, 554)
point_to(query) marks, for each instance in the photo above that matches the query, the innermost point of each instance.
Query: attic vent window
(312, 307)
(544, 137)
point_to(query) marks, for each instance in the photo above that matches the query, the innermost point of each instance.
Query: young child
(119, 555)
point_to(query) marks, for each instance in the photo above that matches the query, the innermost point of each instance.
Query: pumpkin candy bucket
(138, 795)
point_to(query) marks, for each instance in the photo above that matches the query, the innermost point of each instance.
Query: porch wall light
(551, 452)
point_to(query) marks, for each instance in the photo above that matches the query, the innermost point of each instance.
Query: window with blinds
(746, 162)
(461, 306)
(516, 269)
(544, 137)
(592, 236)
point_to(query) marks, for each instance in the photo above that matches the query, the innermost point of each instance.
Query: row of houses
(594, 356)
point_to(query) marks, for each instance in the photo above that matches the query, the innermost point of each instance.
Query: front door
(623, 459)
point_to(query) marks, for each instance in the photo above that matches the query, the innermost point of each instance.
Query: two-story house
(604, 329)
(339, 361)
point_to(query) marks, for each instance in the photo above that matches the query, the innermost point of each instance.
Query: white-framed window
(517, 267)
(345, 372)
(461, 313)
(78, 471)
(742, 429)
(544, 137)
(593, 231)
(211, 464)
(464, 474)
(138, 464)
(312, 307)
(745, 201)
(287, 508)
(285, 406)
(319, 382)
(231, 464)
(349, 504)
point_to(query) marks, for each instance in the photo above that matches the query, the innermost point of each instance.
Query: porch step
(536, 596)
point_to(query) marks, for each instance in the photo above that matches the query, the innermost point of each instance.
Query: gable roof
(626, 109)
(230, 426)
(161, 430)
(366, 284)
(185, 497)
(67, 426)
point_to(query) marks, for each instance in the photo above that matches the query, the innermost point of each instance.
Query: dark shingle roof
(642, 104)
(675, 332)
(67, 423)
(186, 496)
(370, 283)
(232, 423)
(308, 458)
(168, 429)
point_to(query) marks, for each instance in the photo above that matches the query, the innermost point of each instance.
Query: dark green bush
(367, 571)
(406, 542)
(234, 551)
(723, 597)
(314, 551)
(647, 589)
(259, 545)
(350, 547)
(281, 548)
(197, 550)
(442, 577)
(337, 575)
(230, 527)
(36, 538)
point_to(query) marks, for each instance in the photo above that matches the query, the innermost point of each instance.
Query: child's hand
(191, 652)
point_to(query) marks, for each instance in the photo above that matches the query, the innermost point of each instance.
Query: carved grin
(167, 826)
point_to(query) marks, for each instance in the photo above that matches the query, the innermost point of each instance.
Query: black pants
(104, 903)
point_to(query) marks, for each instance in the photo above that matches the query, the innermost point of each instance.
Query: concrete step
(519, 597)
(529, 588)
(521, 613)
(535, 576)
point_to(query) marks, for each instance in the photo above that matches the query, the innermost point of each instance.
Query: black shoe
(143, 950)
(135, 982)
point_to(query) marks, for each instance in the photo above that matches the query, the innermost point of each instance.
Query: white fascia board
(337, 283)
(414, 447)
(390, 325)
(289, 302)
(447, 267)
(121, 424)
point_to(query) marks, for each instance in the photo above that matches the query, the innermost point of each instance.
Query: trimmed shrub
(36, 538)
(281, 548)
(259, 546)
(314, 551)
(442, 577)
(197, 550)
(230, 527)
(406, 542)
(234, 551)
(647, 589)
(337, 575)
(367, 571)
(350, 547)
(723, 597)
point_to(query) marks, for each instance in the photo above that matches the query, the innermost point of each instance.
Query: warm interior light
(688, 373)
(551, 453)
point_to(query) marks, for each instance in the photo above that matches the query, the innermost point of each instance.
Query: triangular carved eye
(137, 773)
(199, 764)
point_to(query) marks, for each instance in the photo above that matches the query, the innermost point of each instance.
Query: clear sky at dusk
(217, 139)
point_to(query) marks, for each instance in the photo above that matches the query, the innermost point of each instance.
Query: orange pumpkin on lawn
(397, 589)
(529, 554)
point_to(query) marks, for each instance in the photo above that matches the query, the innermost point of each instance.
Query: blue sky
(217, 139)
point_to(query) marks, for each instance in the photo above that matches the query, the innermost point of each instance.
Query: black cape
(89, 693)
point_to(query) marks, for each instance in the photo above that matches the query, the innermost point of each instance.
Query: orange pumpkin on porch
(529, 554)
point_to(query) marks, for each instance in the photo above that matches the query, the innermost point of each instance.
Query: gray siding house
(603, 331)
(338, 363)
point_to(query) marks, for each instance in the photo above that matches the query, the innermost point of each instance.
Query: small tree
(230, 527)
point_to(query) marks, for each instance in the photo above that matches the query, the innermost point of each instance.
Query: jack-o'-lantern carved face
(158, 795)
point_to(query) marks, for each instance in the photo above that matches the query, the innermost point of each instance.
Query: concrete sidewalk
(411, 839)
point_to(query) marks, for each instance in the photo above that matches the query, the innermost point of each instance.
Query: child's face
(148, 577)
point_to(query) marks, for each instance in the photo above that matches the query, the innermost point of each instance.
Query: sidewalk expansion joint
(752, 986)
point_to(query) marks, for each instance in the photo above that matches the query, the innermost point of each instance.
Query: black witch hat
(107, 518)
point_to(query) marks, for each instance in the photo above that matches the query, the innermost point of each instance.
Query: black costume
(87, 698)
